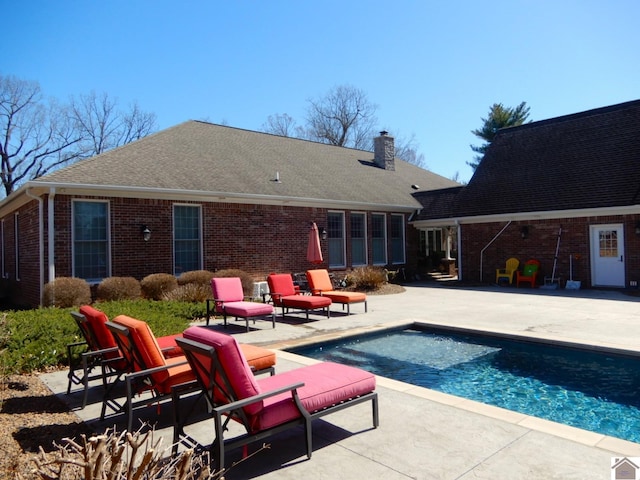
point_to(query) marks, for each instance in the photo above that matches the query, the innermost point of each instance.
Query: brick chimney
(384, 151)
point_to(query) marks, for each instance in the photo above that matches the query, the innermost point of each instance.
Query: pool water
(585, 389)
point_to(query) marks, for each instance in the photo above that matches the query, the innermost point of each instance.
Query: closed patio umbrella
(314, 252)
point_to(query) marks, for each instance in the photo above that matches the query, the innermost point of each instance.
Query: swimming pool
(594, 391)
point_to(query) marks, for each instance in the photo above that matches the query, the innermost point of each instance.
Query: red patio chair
(228, 299)
(268, 405)
(529, 273)
(320, 284)
(101, 351)
(284, 294)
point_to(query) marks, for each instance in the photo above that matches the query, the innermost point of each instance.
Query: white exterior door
(607, 255)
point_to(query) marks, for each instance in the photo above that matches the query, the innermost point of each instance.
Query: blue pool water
(589, 390)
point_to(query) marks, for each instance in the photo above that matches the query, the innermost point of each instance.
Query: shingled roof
(208, 159)
(585, 160)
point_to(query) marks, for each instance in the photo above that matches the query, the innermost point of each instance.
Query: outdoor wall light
(146, 233)
(524, 231)
(323, 233)
(638, 228)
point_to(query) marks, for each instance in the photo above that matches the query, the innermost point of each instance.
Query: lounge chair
(150, 371)
(529, 273)
(508, 271)
(320, 284)
(228, 299)
(101, 351)
(284, 294)
(268, 405)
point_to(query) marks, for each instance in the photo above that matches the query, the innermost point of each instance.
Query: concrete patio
(424, 434)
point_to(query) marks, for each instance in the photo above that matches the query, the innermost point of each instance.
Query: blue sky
(433, 68)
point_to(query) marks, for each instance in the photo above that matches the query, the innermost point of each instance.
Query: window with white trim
(397, 239)
(90, 226)
(379, 238)
(336, 239)
(187, 238)
(358, 239)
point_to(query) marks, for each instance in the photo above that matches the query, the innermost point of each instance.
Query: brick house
(205, 196)
(570, 184)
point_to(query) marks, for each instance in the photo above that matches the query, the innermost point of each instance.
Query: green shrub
(245, 278)
(199, 277)
(39, 337)
(190, 292)
(119, 288)
(154, 286)
(64, 292)
(366, 278)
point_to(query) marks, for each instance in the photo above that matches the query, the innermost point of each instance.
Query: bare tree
(34, 137)
(407, 150)
(281, 124)
(104, 127)
(344, 117)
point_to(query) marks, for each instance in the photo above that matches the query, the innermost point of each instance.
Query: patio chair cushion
(325, 384)
(306, 302)
(97, 320)
(247, 309)
(152, 355)
(320, 284)
(258, 358)
(234, 363)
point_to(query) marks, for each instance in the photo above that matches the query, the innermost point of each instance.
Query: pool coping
(581, 436)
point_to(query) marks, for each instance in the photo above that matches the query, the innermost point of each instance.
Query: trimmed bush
(156, 285)
(366, 278)
(119, 288)
(64, 292)
(245, 278)
(190, 292)
(199, 277)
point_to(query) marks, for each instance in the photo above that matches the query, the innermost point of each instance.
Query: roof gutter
(528, 216)
(212, 196)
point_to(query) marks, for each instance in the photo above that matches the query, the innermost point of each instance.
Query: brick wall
(258, 239)
(540, 243)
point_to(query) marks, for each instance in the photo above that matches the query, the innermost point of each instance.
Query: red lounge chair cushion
(306, 302)
(169, 346)
(325, 384)
(282, 284)
(227, 289)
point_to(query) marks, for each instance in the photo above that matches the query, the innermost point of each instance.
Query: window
(187, 243)
(608, 240)
(379, 239)
(358, 239)
(397, 239)
(90, 240)
(335, 231)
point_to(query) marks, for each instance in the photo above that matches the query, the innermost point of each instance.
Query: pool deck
(425, 434)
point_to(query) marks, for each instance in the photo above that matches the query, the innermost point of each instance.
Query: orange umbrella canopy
(314, 252)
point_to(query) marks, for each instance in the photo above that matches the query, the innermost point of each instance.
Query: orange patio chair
(320, 284)
(268, 405)
(508, 271)
(529, 273)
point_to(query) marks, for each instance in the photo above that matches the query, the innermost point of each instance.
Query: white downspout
(487, 245)
(459, 238)
(40, 238)
(51, 234)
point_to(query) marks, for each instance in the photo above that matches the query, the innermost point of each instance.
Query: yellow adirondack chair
(508, 271)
